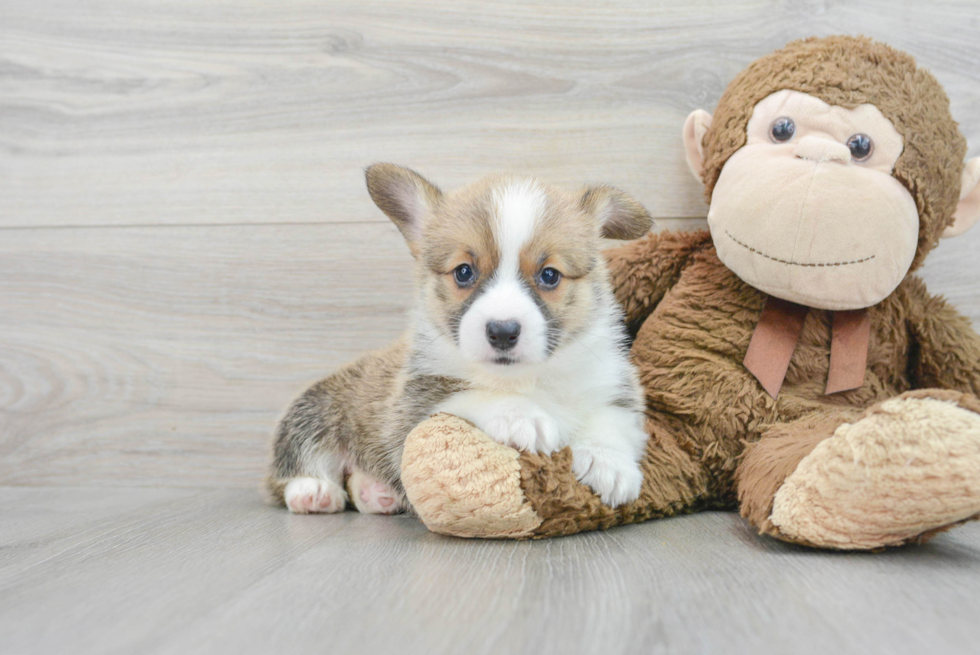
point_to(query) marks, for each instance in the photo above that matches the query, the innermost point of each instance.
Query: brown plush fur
(717, 438)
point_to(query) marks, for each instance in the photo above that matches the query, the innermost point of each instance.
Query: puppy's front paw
(524, 426)
(612, 474)
(314, 496)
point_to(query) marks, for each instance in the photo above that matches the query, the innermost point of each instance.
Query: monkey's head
(832, 167)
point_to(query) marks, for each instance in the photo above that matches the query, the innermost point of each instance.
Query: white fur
(511, 419)
(504, 300)
(314, 495)
(518, 207)
(605, 453)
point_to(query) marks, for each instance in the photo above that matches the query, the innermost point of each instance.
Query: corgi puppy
(515, 329)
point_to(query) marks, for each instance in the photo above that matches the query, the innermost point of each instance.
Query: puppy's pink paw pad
(375, 497)
(314, 496)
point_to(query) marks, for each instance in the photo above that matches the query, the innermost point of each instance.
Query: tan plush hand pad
(462, 483)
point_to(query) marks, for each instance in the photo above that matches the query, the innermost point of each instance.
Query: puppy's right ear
(404, 195)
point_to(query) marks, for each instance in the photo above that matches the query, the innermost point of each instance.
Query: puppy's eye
(464, 275)
(549, 278)
(861, 146)
(782, 129)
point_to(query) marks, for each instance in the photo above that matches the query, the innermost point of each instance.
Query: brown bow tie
(775, 337)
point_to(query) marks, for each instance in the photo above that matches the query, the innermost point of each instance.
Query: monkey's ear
(695, 126)
(968, 211)
(620, 216)
(404, 195)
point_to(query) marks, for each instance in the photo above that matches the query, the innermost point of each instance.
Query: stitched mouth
(792, 263)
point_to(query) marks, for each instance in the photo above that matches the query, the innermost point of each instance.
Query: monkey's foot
(907, 470)
(463, 483)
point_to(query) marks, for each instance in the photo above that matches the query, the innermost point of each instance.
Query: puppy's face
(510, 265)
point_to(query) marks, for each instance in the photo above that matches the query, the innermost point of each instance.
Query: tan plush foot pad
(908, 468)
(462, 483)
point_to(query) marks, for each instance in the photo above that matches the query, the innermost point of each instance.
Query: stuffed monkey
(793, 365)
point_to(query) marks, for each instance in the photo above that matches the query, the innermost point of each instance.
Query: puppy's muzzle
(503, 335)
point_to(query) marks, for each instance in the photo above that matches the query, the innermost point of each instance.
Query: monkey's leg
(901, 471)
(461, 482)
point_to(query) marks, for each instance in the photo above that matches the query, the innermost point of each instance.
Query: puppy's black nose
(502, 335)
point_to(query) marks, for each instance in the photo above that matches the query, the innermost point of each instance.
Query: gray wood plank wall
(185, 240)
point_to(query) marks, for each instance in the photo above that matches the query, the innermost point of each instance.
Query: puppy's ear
(404, 195)
(620, 216)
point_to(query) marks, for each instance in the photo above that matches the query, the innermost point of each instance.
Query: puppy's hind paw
(314, 496)
(372, 496)
(613, 475)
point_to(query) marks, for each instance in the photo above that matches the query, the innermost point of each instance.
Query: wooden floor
(213, 571)
(186, 243)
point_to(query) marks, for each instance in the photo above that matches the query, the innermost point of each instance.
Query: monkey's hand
(643, 271)
(948, 348)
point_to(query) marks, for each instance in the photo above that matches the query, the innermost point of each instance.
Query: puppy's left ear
(404, 196)
(620, 216)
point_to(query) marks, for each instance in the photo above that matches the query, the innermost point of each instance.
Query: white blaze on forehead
(517, 208)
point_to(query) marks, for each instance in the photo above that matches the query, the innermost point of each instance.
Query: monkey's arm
(945, 348)
(642, 271)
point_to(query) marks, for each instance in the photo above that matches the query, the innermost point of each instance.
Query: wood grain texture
(166, 354)
(213, 571)
(120, 112)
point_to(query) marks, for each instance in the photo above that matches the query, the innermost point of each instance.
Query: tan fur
(394, 188)
(633, 221)
(569, 235)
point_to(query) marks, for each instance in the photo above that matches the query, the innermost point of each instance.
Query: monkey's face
(808, 210)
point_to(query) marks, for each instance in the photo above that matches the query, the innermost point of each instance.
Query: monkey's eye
(782, 129)
(861, 146)
(464, 275)
(549, 278)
